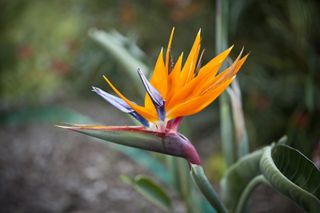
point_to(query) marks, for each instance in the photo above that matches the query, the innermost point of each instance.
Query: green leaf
(238, 177)
(116, 44)
(293, 174)
(150, 190)
(147, 160)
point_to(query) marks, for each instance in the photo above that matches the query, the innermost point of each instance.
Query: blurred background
(50, 57)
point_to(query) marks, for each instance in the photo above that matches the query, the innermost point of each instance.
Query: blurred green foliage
(42, 45)
(281, 90)
(46, 54)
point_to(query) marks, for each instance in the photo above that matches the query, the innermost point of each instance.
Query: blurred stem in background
(241, 135)
(230, 116)
(221, 36)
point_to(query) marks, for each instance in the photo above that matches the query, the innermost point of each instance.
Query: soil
(47, 169)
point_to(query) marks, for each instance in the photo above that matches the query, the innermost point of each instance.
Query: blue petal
(141, 119)
(120, 105)
(161, 112)
(113, 100)
(155, 96)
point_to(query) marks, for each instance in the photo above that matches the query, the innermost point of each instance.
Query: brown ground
(47, 169)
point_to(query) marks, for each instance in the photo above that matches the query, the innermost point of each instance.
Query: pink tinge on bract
(175, 141)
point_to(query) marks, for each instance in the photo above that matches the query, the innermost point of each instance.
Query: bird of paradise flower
(174, 91)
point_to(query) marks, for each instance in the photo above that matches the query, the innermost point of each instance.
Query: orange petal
(206, 73)
(169, 49)
(211, 66)
(210, 82)
(139, 109)
(198, 103)
(240, 63)
(159, 77)
(188, 68)
(149, 105)
(174, 77)
(224, 75)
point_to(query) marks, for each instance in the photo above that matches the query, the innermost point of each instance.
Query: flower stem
(206, 188)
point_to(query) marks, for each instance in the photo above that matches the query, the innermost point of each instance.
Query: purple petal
(154, 95)
(141, 119)
(113, 100)
(120, 105)
(153, 92)
(161, 112)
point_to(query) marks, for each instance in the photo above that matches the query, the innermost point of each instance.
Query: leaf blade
(149, 190)
(293, 174)
(237, 177)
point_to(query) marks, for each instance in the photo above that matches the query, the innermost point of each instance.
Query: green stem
(221, 25)
(206, 188)
(242, 205)
(221, 44)
(241, 136)
(226, 130)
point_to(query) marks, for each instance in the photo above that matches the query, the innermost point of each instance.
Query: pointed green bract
(170, 143)
(132, 138)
